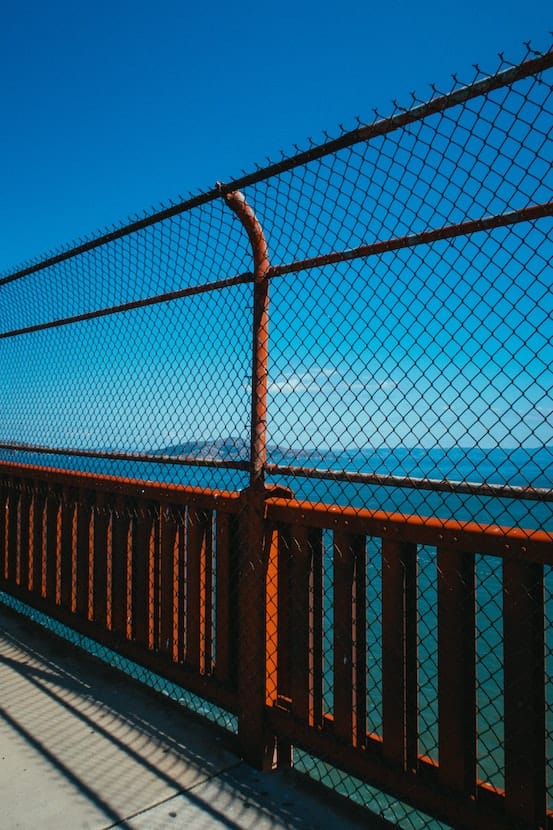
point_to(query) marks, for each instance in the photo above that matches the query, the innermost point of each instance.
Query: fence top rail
(531, 545)
(365, 132)
(125, 487)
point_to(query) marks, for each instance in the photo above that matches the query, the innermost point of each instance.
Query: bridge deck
(82, 746)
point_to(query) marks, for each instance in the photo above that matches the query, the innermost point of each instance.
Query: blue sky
(109, 112)
(109, 108)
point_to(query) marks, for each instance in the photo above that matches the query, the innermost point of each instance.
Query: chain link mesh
(409, 372)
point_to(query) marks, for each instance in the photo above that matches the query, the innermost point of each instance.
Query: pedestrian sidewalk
(83, 746)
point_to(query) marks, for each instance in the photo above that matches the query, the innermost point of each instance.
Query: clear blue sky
(109, 108)
(112, 111)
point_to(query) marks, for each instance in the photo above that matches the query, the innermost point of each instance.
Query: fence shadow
(109, 750)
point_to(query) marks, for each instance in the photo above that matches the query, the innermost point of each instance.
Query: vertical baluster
(399, 653)
(3, 531)
(68, 515)
(119, 567)
(277, 628)
(39, 511)
(168, 586)
(199, 549)
(67, 545)
(457, 670)
(154, 573)
(302, 613)
(25, 538)
(82, 563)
(359, 634)
(307, 614)
(223, 602)
(286, 625)
(315, 540)
(349, 637)
(194, 545)
(180, 587)
(271, 586)
(142, 554)
(12, 531)
(101, 542)
(524, 677)
(52, 544)
(207, 630)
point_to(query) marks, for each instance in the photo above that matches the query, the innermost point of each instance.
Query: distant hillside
(230, 449)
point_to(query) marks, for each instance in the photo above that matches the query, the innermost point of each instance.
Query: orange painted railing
(447, 787)
(224, 593)
(130, 564)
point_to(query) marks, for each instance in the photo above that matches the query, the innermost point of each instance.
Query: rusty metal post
(260, 345)
(255, 591)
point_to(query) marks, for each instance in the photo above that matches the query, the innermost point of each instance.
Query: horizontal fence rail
(288, 445)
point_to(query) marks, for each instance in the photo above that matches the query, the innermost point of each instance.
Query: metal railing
(131, 564)
(159, 574)
(317, 491)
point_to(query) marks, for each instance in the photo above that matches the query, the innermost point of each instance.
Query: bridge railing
(311, 637)
(288, 443)
(146, 569)
(424, 569)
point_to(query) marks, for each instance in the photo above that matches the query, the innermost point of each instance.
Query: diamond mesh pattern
(405, 372)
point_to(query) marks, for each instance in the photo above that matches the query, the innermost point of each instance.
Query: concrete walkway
(82, 746)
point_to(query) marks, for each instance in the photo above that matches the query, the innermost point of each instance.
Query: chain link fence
(405, 371)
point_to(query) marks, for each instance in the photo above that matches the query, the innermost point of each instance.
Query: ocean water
(518, 467)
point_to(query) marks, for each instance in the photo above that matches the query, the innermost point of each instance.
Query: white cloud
(330, 380)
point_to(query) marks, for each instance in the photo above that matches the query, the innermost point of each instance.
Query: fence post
(255, 591)
(260, 334)
(257, 746)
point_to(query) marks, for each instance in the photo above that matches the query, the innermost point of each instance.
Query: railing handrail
(497, 539)
(133, 487)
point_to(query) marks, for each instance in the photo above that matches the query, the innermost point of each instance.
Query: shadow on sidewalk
(85, 746)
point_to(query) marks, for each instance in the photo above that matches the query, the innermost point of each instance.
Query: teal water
(516, 467)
